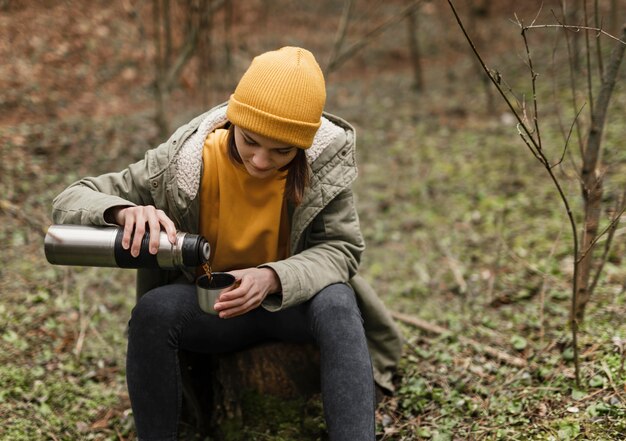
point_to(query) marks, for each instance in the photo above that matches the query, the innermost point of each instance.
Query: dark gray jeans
(168, 318)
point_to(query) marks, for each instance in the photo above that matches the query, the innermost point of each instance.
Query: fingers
(155, 229)
(168, 225)
(239, 305)
(135, 220)
(240, 299)
(129, 226)
(140, 230)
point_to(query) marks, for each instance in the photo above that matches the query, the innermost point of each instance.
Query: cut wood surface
(214, 387)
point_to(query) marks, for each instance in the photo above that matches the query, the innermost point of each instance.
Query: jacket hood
(335, 136)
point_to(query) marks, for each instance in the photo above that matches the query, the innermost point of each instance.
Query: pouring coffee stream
(206, 266)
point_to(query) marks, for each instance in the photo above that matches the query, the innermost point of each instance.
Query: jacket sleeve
(85, 201)
(332, 253)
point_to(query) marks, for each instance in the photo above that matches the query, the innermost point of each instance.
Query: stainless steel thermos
(102, 246)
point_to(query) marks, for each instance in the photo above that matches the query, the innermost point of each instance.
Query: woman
(266, 179)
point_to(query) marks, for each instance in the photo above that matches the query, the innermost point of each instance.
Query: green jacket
(326, 241)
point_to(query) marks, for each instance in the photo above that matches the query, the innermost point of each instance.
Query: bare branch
(612, 228)
(356, 47)
(533, 76)
(537, 16)
(494, 80)
(577, 28)
(596, 16)
(188, 48)
(479, 347)
(569, 134)
(598, 117)
(609, 229)
(528, 144)
(341, 34)
(167, 57)
(572, 77)
(414, 49)
(184, 57)
(588, 57)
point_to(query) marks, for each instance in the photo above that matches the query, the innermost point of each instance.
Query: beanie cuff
(292, 132)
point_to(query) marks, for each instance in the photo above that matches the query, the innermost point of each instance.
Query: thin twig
(457, 271)
(36, 223)
(611, 226)
(342, 30)
(533, 76)
(479, 347)
(569, 135)
(607, 372)
(414, 49)
(588, 57)
(356, 47)
(188, 48)
(609, 242)
(494, 80)
(577, 28)
(573, 87)
(596, 16)
(85, 321)
(532, 147)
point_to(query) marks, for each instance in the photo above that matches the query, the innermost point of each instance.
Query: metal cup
(209, 292)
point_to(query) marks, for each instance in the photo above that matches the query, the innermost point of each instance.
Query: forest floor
(464, 228)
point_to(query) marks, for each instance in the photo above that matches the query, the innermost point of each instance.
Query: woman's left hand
(251, 288)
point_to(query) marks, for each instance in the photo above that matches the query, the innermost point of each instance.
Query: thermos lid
(195, 250)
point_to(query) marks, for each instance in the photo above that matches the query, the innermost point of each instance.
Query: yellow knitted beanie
(281, 96)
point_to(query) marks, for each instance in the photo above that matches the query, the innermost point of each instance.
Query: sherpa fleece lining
(188, 159)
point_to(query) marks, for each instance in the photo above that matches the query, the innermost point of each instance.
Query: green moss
(270, 418)
(37, 405)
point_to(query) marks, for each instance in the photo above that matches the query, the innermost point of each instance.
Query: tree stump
(213, 386)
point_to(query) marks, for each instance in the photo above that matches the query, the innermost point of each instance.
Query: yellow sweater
(244, 218)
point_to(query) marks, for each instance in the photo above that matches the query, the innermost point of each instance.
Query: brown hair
(298, 172)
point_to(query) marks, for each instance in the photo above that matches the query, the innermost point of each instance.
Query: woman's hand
(135, 219)
(248, 292)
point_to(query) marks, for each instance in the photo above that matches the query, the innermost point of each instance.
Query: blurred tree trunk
(592, 177)
(340, 57)
(340, 36)
(228, 35)
(265, 13)
(160, 89)
(598, 41)
(613, 23)
(170, 59)
(572, 14)
(416, 59)
(204, 51)
(480, 9)
(167, 21)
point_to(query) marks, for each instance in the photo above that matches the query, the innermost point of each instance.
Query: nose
(261, 160)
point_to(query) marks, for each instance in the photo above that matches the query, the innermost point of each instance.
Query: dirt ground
(463, 229)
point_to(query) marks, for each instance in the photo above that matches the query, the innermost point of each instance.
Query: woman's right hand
(135, 219)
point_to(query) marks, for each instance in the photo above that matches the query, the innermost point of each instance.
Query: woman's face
(263, 157)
